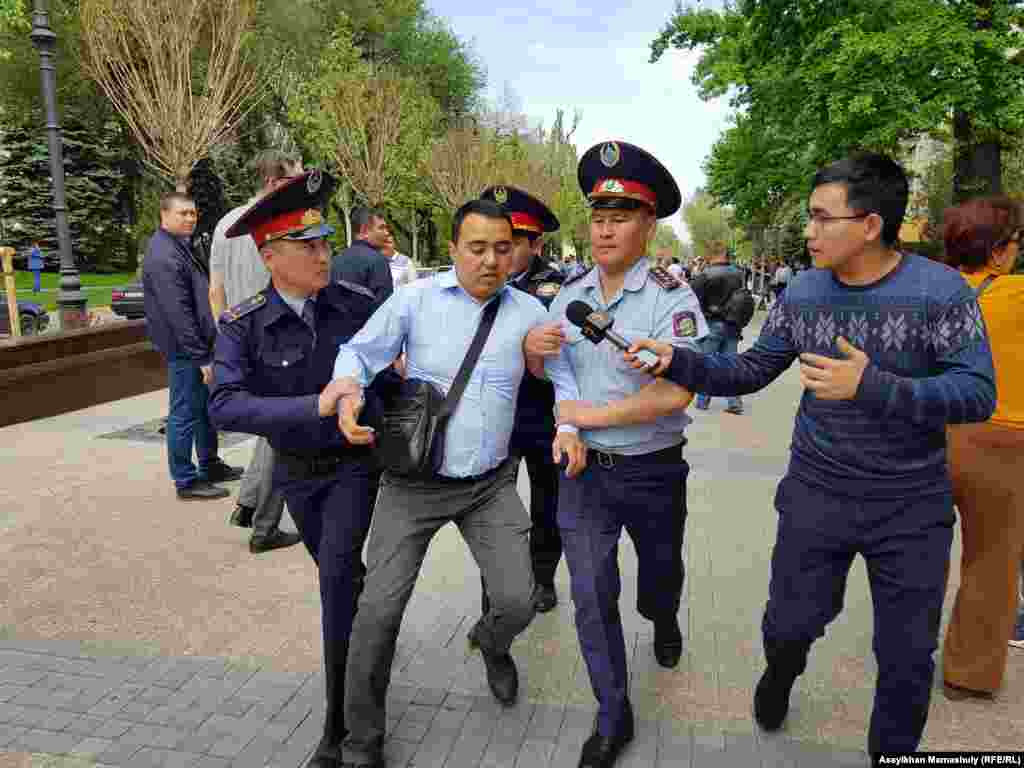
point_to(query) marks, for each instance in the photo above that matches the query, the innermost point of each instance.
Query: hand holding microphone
(597, 326)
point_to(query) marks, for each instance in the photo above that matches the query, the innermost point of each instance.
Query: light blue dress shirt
(435, 320)
(643, 309)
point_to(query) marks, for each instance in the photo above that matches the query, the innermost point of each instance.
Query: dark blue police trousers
(905, 544)
(646, 495)
(333, 513)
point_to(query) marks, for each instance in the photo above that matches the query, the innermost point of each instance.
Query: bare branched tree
(379, 128)
(177, 71)
(461, 164)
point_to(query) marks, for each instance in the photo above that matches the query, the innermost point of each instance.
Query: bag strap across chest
(469, 362)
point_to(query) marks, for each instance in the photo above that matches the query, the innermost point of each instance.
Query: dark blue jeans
(188, 423)
(722, 338)
(905, 545)
(36, 280)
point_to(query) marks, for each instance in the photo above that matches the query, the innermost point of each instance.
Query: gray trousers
(258, 492)
(496, 526)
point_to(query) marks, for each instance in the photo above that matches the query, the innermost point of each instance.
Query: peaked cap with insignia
(290, 212)
(528, 214)
(614, 174)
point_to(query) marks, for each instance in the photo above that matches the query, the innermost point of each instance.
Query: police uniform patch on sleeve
(664, 278)
(356, 288)
(241, 310)
(684, 325)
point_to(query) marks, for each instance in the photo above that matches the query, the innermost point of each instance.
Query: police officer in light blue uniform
(272, 374)
(534, 429)
(635, 476)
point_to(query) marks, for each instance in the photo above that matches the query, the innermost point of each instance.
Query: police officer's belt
(609, 460)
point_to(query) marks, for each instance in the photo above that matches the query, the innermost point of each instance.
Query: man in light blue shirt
(434, 321)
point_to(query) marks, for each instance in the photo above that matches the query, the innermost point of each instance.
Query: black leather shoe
(275, 540)
(219, 472)
(242, 516)
(544, 598)
(602, 751)
(771, 699)
(668, 643)
(200, 490)
(502, 675)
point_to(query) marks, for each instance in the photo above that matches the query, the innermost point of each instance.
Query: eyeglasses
(820, 220)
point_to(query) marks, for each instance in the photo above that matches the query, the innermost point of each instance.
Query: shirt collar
(297, 303)
(636, 277)
(450, 280)
(281, 305)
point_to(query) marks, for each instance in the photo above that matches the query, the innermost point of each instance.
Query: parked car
(34, 319)
(128, 301)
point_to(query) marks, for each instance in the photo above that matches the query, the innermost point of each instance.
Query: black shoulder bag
(413, 414)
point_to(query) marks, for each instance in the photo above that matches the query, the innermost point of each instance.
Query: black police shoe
(602, 751)
(242, 516)
(219, 472)
(276, 540)
(502, 675)
(544, 598)
(668, 642)
(771, 699)
(201, 490)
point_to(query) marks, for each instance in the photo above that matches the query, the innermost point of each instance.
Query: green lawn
(97, 288)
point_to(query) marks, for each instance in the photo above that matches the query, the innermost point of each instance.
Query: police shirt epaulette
(577, 276)
(356, 288)
(664, 278)
(244, 308)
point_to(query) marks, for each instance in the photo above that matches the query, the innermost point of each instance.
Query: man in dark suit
(363, 263)
(181, 326)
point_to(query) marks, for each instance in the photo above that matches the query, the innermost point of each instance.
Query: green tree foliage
(666, 241)
(706, 221)
(20, 84)
(814, 79)
(97, 191)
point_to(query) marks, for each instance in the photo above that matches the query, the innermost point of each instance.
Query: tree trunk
(415, 235)
(977, 165)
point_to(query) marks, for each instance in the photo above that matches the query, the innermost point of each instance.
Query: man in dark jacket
(363, 262)
(180, 324)
(714, 286)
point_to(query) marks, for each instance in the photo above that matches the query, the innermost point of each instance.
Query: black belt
(609, 460)
(320, 464)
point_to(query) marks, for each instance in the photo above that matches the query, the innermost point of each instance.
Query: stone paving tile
(8, 733)
(104, 690)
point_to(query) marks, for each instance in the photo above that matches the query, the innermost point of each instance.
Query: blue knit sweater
(931, 365)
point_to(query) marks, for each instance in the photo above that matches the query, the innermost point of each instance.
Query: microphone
(597, 326)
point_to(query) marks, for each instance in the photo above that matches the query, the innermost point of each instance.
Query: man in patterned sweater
(892, 348)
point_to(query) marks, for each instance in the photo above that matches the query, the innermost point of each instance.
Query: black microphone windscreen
(578, 312)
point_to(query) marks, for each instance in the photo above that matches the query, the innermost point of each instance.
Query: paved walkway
(136, 630)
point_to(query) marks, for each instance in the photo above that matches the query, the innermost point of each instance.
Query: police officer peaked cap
(614, 174)
(528, 214)
(293, 211)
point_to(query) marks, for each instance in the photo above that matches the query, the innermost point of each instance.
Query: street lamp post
(70, 299)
